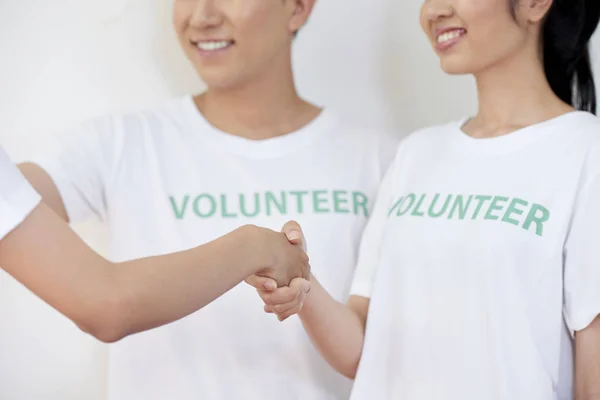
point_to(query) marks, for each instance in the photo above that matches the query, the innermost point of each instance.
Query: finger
(268, 309)
(261, 283)
(301, 284)
(294, 233)
(286, 294)
(284, 308)
(283, 316)
(303, 288)
(283, 295)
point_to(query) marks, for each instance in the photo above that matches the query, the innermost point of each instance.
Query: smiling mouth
(449, 38)
(213, 45)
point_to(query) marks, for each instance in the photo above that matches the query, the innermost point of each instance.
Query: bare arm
(337, 330)
(587, 362)
(44, 185)
(111, 301)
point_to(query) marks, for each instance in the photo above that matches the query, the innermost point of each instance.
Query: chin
(217, 79)
(452, 67)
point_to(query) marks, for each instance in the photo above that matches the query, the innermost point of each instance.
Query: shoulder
(585, 127)
(434, 134)
(132, 126)
(586, 132)
(375, 145)
(426, 139)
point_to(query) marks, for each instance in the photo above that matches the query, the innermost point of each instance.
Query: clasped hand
(284, 301)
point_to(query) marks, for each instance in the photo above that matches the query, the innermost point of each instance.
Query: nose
(434, 10)
(206, 14)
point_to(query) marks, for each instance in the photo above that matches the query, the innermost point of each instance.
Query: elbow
(348, 366)
(349, 371)
(107, 322)
(104, 331)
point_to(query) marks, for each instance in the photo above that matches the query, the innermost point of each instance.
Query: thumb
(294, 234)
(261, 283)
(300, 284)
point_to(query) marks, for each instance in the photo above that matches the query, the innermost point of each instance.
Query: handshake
(284, 285)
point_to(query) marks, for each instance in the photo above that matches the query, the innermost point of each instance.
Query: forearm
(336, 330)
(110, 300)
(587, 362)
(162, 289)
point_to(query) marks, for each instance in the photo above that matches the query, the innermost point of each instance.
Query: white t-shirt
(481, 260)
(17, 197)
(165, 180)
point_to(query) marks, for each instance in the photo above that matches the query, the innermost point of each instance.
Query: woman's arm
(587, 362)
(111, 301)
(337, 330)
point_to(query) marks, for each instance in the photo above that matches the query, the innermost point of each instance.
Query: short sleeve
(388, 148)
(368, 255)
(17, 197)
(582, 251)
(79, 164)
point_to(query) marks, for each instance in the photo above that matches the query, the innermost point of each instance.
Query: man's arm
(587, 362)
(111, 301)
(45, 186)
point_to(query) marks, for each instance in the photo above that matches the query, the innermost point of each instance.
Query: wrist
(257, 255)
(309, 300)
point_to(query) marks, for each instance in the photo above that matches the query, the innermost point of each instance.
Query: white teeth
(212, 46)
(445, 37)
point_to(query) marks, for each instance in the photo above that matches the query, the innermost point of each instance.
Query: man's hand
(288, 258)
(284, 301)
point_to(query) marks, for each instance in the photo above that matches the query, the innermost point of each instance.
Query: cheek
(251, 15)
(425, 23)
(481, 10)
(261, 28)
(497, 39)
(492, 30)
(179, 20)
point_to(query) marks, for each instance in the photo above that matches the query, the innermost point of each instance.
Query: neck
(265, 107)
(513, 95)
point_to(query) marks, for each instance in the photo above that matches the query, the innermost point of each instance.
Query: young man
(247, 151)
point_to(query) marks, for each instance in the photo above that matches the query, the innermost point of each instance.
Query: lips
(448, 37)
(213, 45)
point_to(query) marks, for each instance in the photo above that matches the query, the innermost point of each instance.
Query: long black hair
(566, 33)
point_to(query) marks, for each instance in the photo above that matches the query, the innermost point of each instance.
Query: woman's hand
(285, 301)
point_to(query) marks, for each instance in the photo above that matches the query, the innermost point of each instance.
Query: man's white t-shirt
(164, 180)
(17, 197)
(481, 259)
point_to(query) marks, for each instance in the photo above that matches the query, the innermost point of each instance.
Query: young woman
(247, 151)
(111, 301)
(479, 272)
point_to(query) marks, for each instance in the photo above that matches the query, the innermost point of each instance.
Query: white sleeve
(368, 255)
(17, 197)
(80, 165)
(582, 251)
(388, 148)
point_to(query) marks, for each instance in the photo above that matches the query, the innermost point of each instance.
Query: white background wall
(62, 61)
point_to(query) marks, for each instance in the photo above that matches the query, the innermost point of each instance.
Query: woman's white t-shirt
(17, 197)
(481, 260)
(165, 180)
